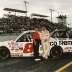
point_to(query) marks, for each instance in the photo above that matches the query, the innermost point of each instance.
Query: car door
(59, 36)
(25, 43)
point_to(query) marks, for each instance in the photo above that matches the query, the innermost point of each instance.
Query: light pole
(51, 13)
(26, 6)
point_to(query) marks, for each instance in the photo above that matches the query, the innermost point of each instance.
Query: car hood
(5, 43)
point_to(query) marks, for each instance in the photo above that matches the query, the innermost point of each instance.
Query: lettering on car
(61, 43)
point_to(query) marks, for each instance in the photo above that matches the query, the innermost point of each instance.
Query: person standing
(36, 43)
(45, 36)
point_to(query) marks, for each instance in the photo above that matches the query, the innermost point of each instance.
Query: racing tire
(4, 53)
(56, 52)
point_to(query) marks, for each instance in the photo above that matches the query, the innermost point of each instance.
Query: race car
(22, 46)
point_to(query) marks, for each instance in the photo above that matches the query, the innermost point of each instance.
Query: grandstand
(13, 23)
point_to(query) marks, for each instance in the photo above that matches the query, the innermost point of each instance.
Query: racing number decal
(28, 48)
(53, 43)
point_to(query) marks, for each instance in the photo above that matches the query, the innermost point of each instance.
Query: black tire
(4, 53)
(56, 52)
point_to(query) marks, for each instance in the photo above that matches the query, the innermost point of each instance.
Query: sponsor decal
(68, 48)
(15, 54)
(20, 48)
(14, 46)
(65, 42)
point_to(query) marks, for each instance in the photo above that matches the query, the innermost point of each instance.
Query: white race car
(60, 42)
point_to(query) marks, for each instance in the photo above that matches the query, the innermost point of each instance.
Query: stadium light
(51, 13)
(26, 6)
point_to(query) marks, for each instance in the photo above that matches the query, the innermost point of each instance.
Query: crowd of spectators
(14, 23)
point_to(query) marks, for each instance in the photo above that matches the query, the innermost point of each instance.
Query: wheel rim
(56, 52)
(4, 54)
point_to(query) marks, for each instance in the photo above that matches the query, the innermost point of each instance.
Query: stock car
(22, 46)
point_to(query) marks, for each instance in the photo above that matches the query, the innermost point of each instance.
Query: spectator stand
(15, 22)
(39, 19)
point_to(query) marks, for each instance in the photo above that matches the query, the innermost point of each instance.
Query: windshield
(60, 34)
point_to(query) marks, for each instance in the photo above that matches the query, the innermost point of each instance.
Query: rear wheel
(4, 53)
(56, 51)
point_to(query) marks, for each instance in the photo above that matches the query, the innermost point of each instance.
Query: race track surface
(29, 65)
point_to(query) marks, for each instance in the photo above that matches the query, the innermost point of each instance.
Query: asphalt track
(29, 65)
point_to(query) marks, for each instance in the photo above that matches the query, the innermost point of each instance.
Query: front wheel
(4, 53)
(56, 51)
